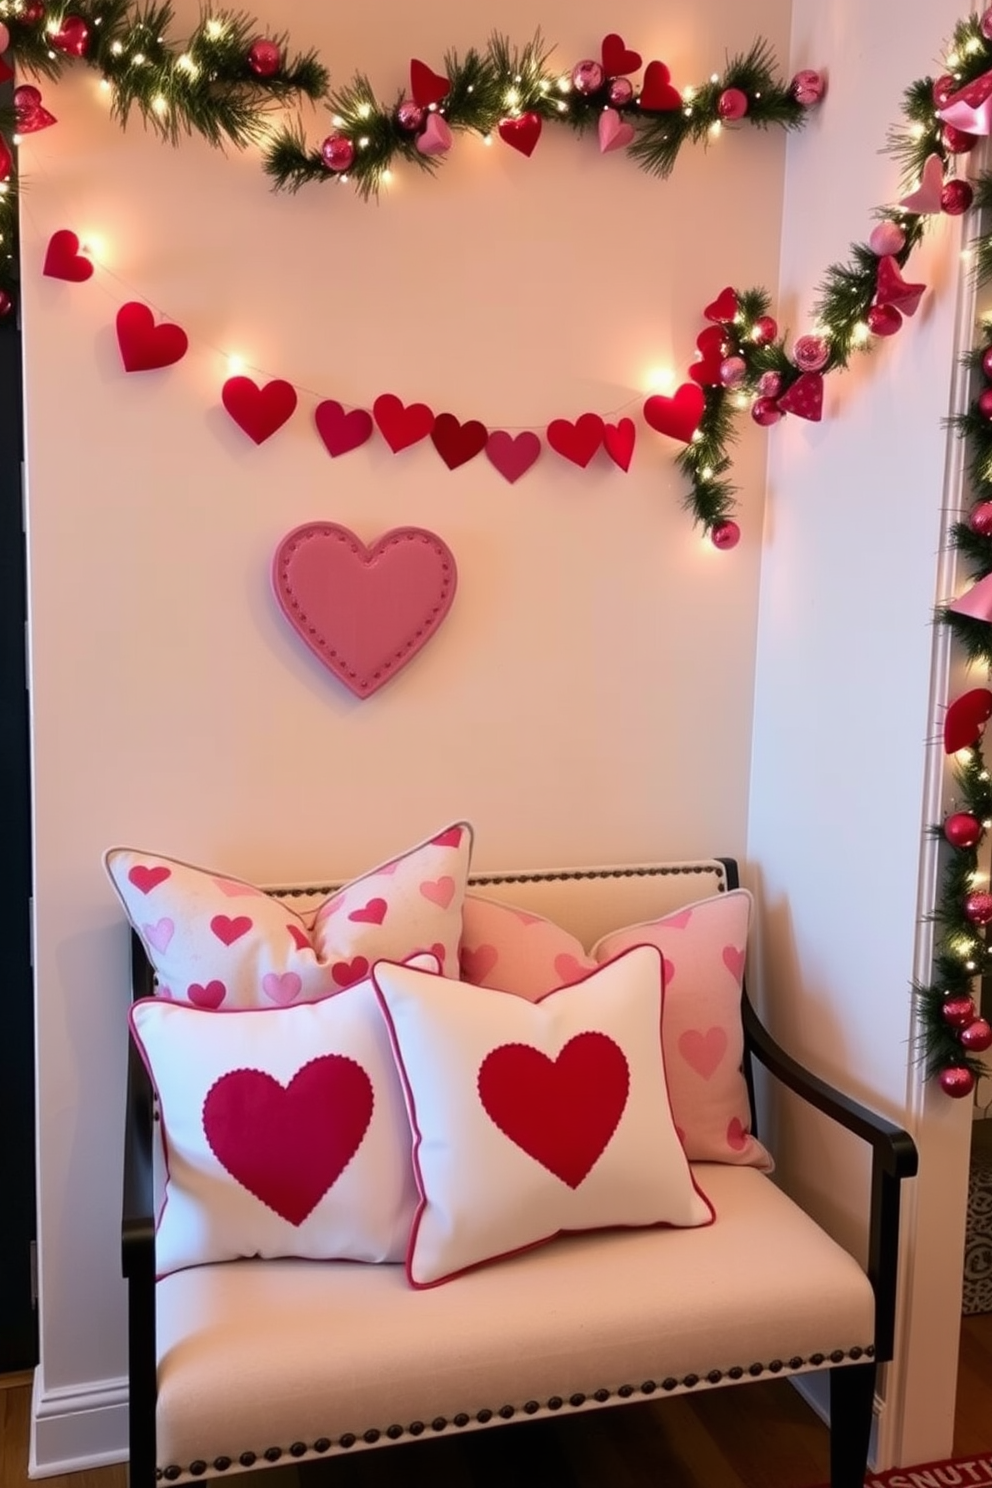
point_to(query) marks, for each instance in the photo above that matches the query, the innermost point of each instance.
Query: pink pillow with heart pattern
(535, 1119)
(704, 946)
(216, 941)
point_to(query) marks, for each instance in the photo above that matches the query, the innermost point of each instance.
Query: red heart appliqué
(657, 94)
(577, 442)
(522, 133)
(512, 454)
(678, 416)
(562, 1112)
(617, 60)
(364, 612)
(724, 307)
(259, 411)
(619, 440)
(144, 345)
(401, 426)
(288, 1144)
(63, 259)
(342, 430)
(458, 443)
(426, 85)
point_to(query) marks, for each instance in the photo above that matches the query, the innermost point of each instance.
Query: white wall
(589, 697)
(847, 698)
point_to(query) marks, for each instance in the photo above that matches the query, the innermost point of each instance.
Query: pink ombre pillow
(703, 945)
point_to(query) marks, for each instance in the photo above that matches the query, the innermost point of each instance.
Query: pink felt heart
(618, 61)
(146, 879)
(399, 425)
(805, 397)
(372, 913)
(577, 442)
(619, 440)
(724, 307)
(346, 973)
(478, 963)
(733, 960)
(657, 93)
(342, 430)
(299, 937)
(426, 85)
(282, 988)
(512, 454)
(562, 1112)
(703, 1052)
(228, 930)
(458, 443)
(160, 933)
(965, 719)
(521, 133)
(63, 259)
(614, 133)
(145, 346)
(436, 137)
(737, 1137)
(439, 891)
(259, 411)
(288, 1144)
(892, 289)
(679, 416)
(364, 612)
(926, 199)
(209, 996)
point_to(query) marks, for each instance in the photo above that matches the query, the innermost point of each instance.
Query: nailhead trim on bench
(507, 1412)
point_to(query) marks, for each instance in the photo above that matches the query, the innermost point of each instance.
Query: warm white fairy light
(116, 47)
(861, 333)
(235, 365)
(160, 105)
(214, 29)
(661, 380)
(364, 110)
(953, 60)
(564, 85)
(138, 59)
(972, 46)
(716, 128)
(512, 98)
(487, 139)
(186, 64)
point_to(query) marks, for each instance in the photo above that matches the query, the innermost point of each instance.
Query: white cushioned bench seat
(296, 1357)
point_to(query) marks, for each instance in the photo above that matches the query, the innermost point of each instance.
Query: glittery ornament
(587, 77)
(732, 370)
(765, 330)
(883, 320)
(732, 104)
(620, 92)
(26, 98)
(32, 13)
(72, 37)
(959, 1011)
(963, 830)
(811, 353)
(956, 198)
(942, 90)
(957, 1081)
(957, 141)
(808, 87)
(977, 1036)
(978, 907)
(985, 403)
(6, 304)
(980, 519)
(4, 38)
(887, 239)
(770, 384)
(765, 411)
(725, 535)
(337, 152)
(409, 116)
(264, 58)
(985, 25)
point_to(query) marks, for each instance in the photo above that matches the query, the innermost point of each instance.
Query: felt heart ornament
(614, 133)
(618, 61)
(619, 440)
(970, 108)
(364, 612)
(144, 346)
(577, 442)
(884, 320)
(6, 73)
(724, 307)
(711, 343)
(63, 259)
(30, 115)
(976, 602)
(289, 1144)
(259, 411)
(436, 137)
(562, 1112)
(522, 133)
(457, 443)
(965, 719)
(679, 416)
(926, 199)
(399, 425)
(892, 289)
(805, 397)
(657, 94)
(426, 85)
(72, 37)
(512, 454)
(342, 430)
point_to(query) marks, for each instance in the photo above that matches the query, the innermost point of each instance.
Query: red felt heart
(805, 397)
(712, 343)
(657, 94)
(63, 259)
(457, 443)
(679, 416)
(522, 133)
(145, 345)
(724, 307)
(72, 37)
(892, 289)
(617, 60)
(619, 440)
(965, 719)
(289, 1144)
(259, 411)
(401, 426)
(6, 73)
(577, 442)
(341, 430)
(512, 454)
(364, 612)
(426, 85)
(562, 1112)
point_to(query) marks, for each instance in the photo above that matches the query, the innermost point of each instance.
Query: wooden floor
(763, 1436)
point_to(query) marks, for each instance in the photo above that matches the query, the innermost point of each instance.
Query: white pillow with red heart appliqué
(285, 1130)
(704, 945)
(534, 1119)
(216, 941)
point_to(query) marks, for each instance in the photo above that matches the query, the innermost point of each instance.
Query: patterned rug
(962, 1472)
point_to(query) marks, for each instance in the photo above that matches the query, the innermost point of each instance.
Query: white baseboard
(77, 1426)
(815, 1390)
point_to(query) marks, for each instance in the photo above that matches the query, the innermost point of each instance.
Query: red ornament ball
(765, 330)
(32, 13)
(977, 1036)
(811, 353)
(732, 370)
(956, 141)
(264, 58)
(963, 830)
(985, 25)
(770, 384)
(883, 320)
(337, 152)
(26, 98)
(978, 907)
(808, 87)
(980, 519)
(587, 77)
(956, 198)
(725, 535)
(6, 304)
(985, 403)
(620, 92)
(732, 104)
(958, 1011)
(957, 1081)
(942, 90)
(765, 412)
(409, 116)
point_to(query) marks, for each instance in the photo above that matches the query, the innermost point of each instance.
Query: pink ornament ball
(732, 370)
(985, 25)
(985, 403)
(765, 330)
(409, 116)
(956, 198)
(977, 1037)
(587, 77)
(883, 320)
(957, 1081)
(337, 152)
(980, 519)
(958, 1012)
(264, 58)
(887, 239)
(963, 830)
(942, 90)
(811, 353)
(4, 37)
(956, 141)
(808, 87)
(765, 412)
(725, 535)
(770, 384)
(620, 92)
(732, 104)
(978, 907)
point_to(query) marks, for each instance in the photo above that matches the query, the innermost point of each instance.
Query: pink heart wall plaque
(363, 611)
